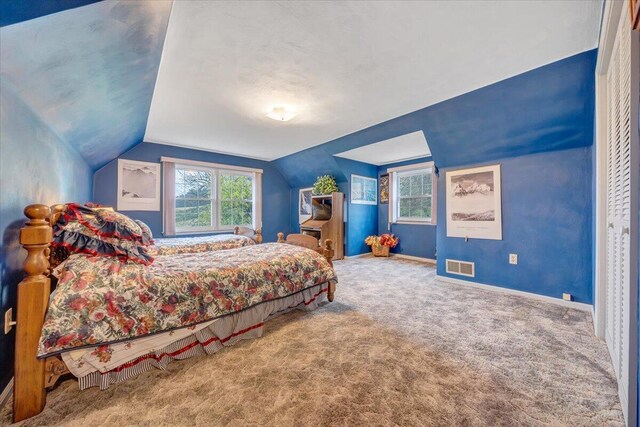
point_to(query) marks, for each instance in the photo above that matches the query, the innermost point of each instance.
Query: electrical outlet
(8, 321)
(513, 259)
(567, 297)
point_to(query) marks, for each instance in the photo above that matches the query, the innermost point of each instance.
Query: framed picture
(474, 203)
(364, 190)
(304, 204)
(384, 188)
(138, 186)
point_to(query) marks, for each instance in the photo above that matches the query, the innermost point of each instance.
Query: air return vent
(463, 268)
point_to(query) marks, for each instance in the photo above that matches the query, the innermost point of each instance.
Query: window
(195, 198)
(205, 197)
(236, 199)
(412, 194)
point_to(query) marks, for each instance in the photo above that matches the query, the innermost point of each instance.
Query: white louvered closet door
(618, 205)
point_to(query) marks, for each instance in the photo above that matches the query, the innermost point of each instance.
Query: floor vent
(463, 268)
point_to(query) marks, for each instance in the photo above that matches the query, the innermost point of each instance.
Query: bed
(108, 320)
(180, 245)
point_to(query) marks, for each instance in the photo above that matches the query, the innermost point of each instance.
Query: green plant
(325, 184)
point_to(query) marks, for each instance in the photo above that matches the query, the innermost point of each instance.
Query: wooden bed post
(259, 235)
(281, 237)
(29, 394)
(328, 253)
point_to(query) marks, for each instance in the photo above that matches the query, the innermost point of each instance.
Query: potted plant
(380, 245)
(325, 184)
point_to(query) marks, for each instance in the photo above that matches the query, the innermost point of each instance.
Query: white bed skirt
(104, 365)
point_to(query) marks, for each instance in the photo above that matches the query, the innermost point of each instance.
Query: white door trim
(610, 21)
(608, 31)
(600, 176)
(635, 217)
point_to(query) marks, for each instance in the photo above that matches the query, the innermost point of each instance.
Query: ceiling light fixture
(281, 114)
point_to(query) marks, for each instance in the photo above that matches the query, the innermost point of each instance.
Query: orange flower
(384, 240)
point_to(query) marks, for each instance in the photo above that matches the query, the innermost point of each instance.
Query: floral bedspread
(100, 300)
(183, 245)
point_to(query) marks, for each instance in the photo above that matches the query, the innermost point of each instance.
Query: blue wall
(360, 220)
(547, 109)
(546, 220)
(275, 190)
(35, 167)
(415, 240)
(14, 11)
(89, 73)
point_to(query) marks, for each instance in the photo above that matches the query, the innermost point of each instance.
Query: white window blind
(207, 197)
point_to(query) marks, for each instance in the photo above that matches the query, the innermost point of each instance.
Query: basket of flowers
(380, 245)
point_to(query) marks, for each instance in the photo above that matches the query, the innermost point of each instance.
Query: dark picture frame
(384, 189)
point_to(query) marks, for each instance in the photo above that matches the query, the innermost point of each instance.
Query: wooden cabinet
(327, 221)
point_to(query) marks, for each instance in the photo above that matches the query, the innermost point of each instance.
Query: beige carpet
(395, 348)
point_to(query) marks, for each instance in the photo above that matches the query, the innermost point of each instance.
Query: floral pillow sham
(104, 222)
(78, 238)
(101, 232)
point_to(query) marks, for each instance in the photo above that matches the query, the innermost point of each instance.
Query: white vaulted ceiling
(404, 147)
(342, 66)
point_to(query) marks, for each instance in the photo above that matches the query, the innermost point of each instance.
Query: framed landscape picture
(305, 209)
(138, 186)
(474, 203)
(364, 190)
(384, 188)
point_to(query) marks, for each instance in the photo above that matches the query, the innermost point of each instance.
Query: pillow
(147, 235)
(245, 231)
(76, 237)
(115, 224)
(104, 222)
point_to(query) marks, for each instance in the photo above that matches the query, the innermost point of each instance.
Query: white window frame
(415, 169)
(214, 194)
(217, 170)
(364, 179)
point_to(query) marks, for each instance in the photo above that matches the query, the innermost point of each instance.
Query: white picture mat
(305, 210)
(361, 186)
(474, 204)
(147, 185)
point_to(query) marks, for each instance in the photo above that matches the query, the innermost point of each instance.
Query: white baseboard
(358, 256)
(414, 258)
(392, 255)
(569, 304)
(6, 394)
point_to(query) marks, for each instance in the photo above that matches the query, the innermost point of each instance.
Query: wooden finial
(259, 235)
(328, 244)
(236, 230)
(37, 214)
(281, 237)
(36, 236)
(328, 249)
